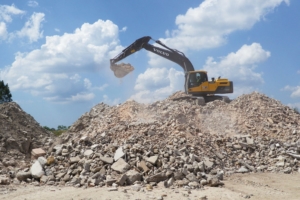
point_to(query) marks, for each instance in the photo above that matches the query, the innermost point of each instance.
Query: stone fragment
(152, 159)
(37, 170)
(74, 160)
(38, 152)
(170, 182)
(242, 169)
(88, 153)
(107, 160)
(120, 166)
(42, 161)
(191, 177)
(109, 182)
(44, 179)
(178, 175)
(194, 184)
(4, 180)
(136, 187)
(119, 153)
(112, 189)
(157, 177)
(214, 181)
(287, 170)
(208, 164)
(133, 176)
(122, 180)
(66, 178)
(142, 165)
(22, 176)
(50, 160)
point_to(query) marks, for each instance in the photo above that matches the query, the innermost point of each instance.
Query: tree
(61, 127)
(5, 95)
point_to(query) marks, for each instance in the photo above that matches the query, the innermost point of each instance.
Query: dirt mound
(173, 143)
(19, 133)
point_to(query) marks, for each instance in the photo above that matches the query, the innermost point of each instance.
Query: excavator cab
(197, 84)
(196, 78)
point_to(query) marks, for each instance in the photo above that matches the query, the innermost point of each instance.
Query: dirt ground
(260, 186)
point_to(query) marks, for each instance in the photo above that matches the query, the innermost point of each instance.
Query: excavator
(197, 86)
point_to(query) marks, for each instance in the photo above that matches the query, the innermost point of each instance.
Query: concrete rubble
(19, 135)
(172, 143)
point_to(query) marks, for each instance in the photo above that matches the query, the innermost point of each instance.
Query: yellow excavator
(197, 86)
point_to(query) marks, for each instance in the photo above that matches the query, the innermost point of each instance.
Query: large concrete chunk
(157, 177)
(37, 170)
(120, 166)
(133, 176)
(22, 176)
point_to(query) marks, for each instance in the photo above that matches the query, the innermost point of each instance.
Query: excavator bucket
(121, 70)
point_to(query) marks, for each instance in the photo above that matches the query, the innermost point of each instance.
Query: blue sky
(55, 54)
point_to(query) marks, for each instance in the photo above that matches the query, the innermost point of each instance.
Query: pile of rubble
(19, 134)
(172, 143)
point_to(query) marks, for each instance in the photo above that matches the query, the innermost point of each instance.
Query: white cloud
(295, 90)
(109, 101)
(57, 30)
(6, 12)
(32, 27)
(208, 25)
(239, 67)
(101, 88)
(55, 70)
(32, 3)
(87, 83)
(123, 29)
(157, 83)
(81, 97)
(3, 30)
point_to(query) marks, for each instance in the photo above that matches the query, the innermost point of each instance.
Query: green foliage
(62, 127)
(5, 95)
(57, 132)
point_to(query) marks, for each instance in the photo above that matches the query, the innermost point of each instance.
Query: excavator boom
(168, 53)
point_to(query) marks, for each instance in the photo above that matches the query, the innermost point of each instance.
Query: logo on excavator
(161, 52)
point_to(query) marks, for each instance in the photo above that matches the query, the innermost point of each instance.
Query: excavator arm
(166, 52)
(196, 82)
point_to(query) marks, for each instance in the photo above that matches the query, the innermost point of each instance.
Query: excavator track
(202, 100)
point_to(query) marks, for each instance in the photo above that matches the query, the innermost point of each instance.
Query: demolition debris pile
(173, 143)
(19, 134)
